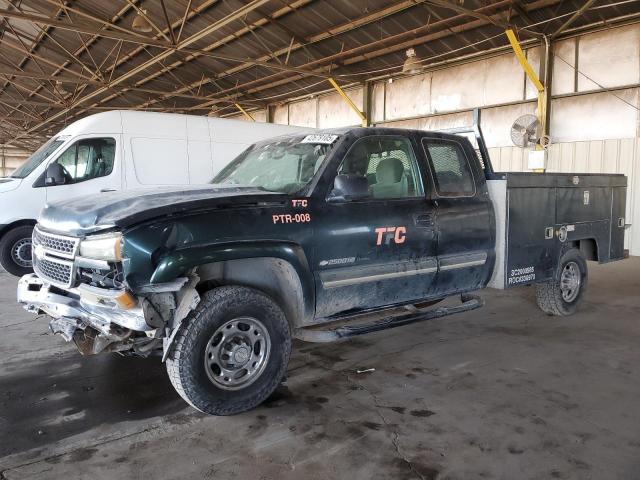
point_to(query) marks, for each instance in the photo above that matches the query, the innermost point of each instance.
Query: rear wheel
(231, 352)
(15, 251)
(561, 295)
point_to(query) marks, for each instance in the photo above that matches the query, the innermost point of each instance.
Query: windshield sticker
(325, 139)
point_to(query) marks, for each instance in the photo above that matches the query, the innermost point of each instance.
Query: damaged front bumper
(112, 315)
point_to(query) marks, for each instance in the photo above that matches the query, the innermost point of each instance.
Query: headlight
(102, 247)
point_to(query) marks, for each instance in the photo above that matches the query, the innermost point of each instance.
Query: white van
(117, 150)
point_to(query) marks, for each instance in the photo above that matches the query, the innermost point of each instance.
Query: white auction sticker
(320, 138)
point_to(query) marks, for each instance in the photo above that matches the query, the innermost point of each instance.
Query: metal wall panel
(458, 88)
(11, 158)
(595, 116)
(506, 72)
(377, 102)
(611, 59)
(533, 57)
(408, 97)
(303, 114)
(436, 122)
(564, 76)
(281, 114)
(333, 111)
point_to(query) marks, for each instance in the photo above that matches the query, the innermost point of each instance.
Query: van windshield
(285, 165)
(37, 158)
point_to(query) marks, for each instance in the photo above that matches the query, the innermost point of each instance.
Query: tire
(15, 251)
(552, 297)
(203, 383)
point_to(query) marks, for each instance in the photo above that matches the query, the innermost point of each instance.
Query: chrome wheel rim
(570, 281)
(21, 252)
(237, 353)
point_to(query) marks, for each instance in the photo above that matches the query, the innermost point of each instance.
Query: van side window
(451, 170)
(388, 164)
(88, 159)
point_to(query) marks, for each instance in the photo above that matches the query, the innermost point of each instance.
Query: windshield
(286, 165)
(37, 158)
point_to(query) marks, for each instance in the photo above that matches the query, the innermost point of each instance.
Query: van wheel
(15, 251)
(231, 352)
(561, 295)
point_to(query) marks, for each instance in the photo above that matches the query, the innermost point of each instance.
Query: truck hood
(7, 184)
(84, 215)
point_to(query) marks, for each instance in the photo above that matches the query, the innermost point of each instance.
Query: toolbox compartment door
(531, 254)
(618, 204)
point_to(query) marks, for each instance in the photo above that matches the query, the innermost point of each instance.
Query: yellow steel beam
(245, 113)
(526, 66)
(352, 105)
(531, 74)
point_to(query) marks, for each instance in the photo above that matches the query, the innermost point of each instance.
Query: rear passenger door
(380, 249)
(465, 218)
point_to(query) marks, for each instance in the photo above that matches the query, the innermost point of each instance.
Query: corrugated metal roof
(251, 52)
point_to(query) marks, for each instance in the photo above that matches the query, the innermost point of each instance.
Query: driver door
(378, 250)
(92, 165)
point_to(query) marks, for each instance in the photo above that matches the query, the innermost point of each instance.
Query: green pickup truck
(304, 236)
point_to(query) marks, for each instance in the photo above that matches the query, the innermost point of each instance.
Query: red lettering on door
(397, 234)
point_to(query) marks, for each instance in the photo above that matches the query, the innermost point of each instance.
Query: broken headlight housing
(107, 247)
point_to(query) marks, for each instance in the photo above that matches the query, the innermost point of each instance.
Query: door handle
(105, 190)
(423, 219)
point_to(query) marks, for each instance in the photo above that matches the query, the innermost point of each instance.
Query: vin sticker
(325, 138)
(521, 275)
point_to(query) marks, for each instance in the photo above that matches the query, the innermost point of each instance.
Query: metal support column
(271, 113)
(367, 103)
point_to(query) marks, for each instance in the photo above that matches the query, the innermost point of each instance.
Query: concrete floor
(498, 393)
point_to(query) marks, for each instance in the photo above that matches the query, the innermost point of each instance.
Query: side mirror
(349, 187)
(54, 175)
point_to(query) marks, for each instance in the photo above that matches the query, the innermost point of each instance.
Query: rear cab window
(452, 173)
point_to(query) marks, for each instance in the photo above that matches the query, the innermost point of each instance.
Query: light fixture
(140, 23)
(60, 88)
(412, 64)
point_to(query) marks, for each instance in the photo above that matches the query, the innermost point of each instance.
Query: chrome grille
(57, 244)
(56, 271)
(53, 257)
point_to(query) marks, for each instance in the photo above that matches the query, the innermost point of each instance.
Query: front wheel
(560, 295)
(231, 352)
(15, 251)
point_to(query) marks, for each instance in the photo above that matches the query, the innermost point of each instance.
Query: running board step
(469, 302)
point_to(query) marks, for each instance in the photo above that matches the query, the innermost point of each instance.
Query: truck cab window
(452, 174)
(387, 163)
(88, 159)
